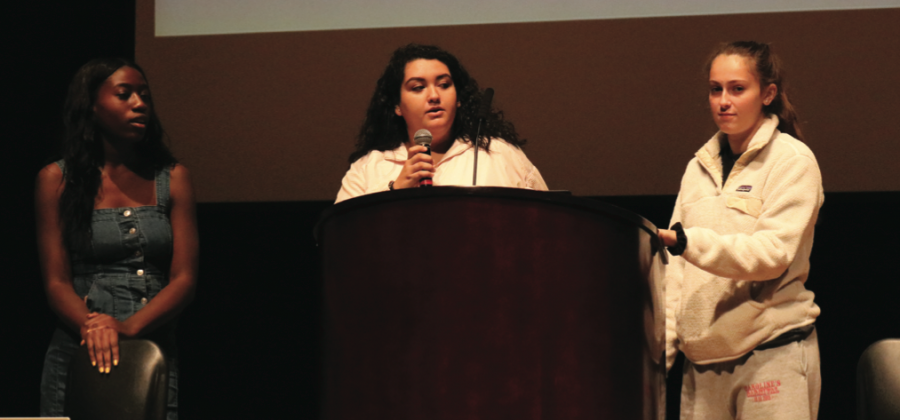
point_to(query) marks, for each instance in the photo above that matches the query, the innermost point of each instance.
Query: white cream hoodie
(504, 165)
(740, 281)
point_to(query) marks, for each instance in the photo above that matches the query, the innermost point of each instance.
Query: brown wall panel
(610, 107)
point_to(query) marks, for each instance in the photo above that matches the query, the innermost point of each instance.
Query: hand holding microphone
(418, 169)
(423, 138)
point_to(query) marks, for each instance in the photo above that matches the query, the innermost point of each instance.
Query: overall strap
(162, 187)
(162, 183)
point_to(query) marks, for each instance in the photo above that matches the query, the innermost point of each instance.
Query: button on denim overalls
(126, 266)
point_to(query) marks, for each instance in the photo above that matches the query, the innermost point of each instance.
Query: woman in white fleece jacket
(742, 232)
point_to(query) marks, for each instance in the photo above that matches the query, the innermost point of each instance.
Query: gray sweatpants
(778, 383)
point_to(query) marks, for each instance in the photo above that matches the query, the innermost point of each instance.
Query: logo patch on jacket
(744, 188)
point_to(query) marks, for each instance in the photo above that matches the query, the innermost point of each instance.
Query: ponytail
(769, 70)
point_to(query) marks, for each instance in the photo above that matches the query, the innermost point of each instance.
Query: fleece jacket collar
(708, 155)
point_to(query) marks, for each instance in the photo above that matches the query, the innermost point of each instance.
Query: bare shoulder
(180, 172)
(50, 179)
(180, 182)
(50, 173)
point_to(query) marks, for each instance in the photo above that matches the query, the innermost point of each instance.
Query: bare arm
(173, 298)
(56, 270)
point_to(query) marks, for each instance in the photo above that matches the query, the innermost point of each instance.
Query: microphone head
(422, 137)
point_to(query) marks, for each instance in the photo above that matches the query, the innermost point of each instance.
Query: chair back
(878, 382)
(136, 389)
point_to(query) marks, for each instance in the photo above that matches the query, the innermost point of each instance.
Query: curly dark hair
(82, 148)
(384, 130)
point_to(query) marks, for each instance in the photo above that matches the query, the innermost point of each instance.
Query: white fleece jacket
(740, 281)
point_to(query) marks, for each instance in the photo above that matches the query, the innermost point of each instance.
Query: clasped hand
(100, 333)
(416, 167)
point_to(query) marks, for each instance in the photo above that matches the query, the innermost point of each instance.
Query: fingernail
(107, 369)
(93, 363)
(100, 369)
(116, 362)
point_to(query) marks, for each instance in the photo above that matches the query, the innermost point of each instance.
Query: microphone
(483, 110)
(423, 138)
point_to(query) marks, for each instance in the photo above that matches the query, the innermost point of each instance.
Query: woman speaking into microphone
(426, 88)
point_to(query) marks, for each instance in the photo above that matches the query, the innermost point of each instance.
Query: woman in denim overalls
(117, 232)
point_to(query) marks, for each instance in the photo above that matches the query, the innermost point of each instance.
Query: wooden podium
(491, 303)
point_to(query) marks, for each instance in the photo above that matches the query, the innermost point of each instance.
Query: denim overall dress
(125, 267)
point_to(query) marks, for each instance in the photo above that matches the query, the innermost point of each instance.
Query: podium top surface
(560, 198)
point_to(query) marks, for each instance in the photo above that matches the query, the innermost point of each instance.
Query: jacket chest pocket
(747, 205)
